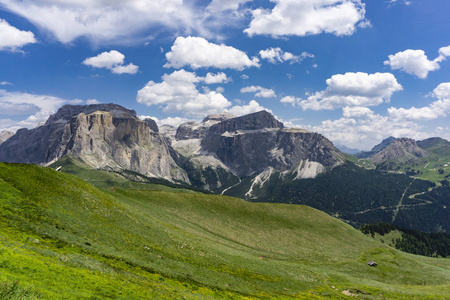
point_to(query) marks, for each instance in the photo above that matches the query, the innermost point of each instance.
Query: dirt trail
(401, 200)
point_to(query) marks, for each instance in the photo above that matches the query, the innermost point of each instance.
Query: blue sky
(356, 71)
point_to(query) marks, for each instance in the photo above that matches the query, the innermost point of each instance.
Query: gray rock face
(152, 124)
(252, 143)
(384, 144)
(377, 148)
(101, 136)
(5, 135)
(194, 130)
(218, 117)
(400, 151)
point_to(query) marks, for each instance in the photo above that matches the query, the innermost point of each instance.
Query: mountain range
(254, 157)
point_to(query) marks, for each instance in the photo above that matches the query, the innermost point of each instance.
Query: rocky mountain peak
(218, 117)
(67, 112)
(400, 150)
(386, 142)
(254, 121)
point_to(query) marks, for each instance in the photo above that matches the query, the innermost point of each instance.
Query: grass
(61, 237)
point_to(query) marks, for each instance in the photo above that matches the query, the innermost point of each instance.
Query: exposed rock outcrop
(105, 135)
(252, 143)
(194, 130)
(401, 150)
(377, 148)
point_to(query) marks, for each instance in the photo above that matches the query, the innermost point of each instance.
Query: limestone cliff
(104, 135)
(252, 143)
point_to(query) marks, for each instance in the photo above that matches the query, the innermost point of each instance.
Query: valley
(232, 207)
(63, 237)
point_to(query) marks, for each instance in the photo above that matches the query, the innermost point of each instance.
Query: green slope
(64, 238)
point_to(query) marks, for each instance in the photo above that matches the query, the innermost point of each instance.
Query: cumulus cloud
(363, 129)
(291, 100)
(112, 60)
(251, 107)
(436, 109)
(102, 21)
(197, 52)
(259, 91)
(351, 89)
(413, 62)
(360, 127)
(219, 5)
(276, 55)
(37, 107)
(171, 121)
(178, 93)
(211, 78)
(12, 39)
(308, 17)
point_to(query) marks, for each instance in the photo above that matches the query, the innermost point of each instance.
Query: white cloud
(245, 77)
(259, 91)
(393, 2)
(92, 101)
(128, 69)
(361, 128)
(291, 100)
(197, 52)
(171, 121)
(12, 39)
(103, 21)
(178, 93)
(112, 60)
(211, 78)
(275, 55)
(356, 112)
(38, 107)
(444, 52)
(5, 83)
(352, 89)
(413, 62)
(436, 109)
(308, 17)
(251, 107)
(220, 5)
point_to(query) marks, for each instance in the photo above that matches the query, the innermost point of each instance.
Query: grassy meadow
(63, 238)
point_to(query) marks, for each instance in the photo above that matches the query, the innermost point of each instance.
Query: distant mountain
(435, 145)
(4, 135)
(347, 150)
(253, 157)
(401, 150)
(102, 136)
(377, 148)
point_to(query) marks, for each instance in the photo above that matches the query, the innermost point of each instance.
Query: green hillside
(63, 238)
